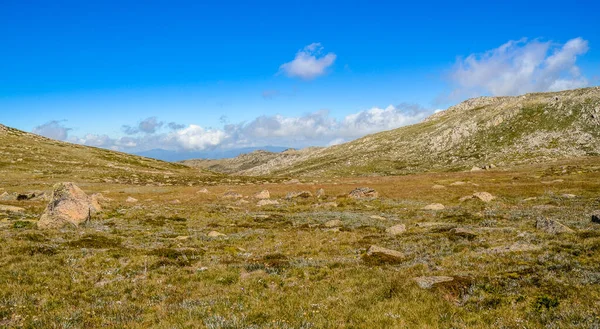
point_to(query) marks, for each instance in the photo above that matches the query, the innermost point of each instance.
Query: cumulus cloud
(197, 138)
(308, 63)
(148, 126)
(519, 67)
(175, 126)
(312, 129)
(53, 129)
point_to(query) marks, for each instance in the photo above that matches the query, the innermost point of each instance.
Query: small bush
(95, 241)
(545, 302)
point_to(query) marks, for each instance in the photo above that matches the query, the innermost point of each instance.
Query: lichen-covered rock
(551, 226)
(296, 195)
(232, 195)
(264, 194)
(427, 282)
(363, 193)
(396, 229)
(69, 205)
(434, 206)
(379, 255)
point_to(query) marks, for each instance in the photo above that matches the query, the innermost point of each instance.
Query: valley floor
(301, 263)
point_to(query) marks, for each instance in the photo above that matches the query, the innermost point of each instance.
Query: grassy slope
(281, 267)
(27, 158)
(506, 130)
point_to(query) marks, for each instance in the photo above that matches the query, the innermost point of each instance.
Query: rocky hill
(26, 158)
(478, 132)
(246, 164)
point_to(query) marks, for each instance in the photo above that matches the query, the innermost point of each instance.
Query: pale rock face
(69, 205)
(333, 223)
(232, 195)
(363, 193)
(551, 226)
(427, 282)
(376, 254)
(264, 194)
(396, 229)
(320, 193)
(484, 196)
(434, 206)
(131, 200)
(215, 234)
(301, 195)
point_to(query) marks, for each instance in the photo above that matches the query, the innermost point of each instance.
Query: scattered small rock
(427, 282)
(333, 223)
(396, 229)
(377, 217)
(266, 202)
(320, 193)
(438, 187)
(363, 193)
(182, 237)
(131, 200)
(482, 196)
(8, 196)
(458, 183)
(215, 234)
(434, 206)
(292, 181)
(380, 255)
(569, 196)
(301, 195)
(202, 190)
(463, 233)
(264, 194)
(476, 169)
(551, 226)
(232, 195)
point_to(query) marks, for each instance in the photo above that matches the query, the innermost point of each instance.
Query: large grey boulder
(69, 205)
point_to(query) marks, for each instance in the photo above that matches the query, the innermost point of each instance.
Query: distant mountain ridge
(500, 130)
(174, 156)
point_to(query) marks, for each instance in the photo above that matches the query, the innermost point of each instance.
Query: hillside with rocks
(479, 132)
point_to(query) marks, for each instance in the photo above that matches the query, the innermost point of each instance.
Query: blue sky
(229, 74)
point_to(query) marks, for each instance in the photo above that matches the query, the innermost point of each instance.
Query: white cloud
(53, 129)
(519, 67)
(308, 64)
(312, 129)
(197, 138)
(148, 126)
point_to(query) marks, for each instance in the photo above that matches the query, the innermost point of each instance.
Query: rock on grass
(69, 205)
(378, 255)
(551, 226)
